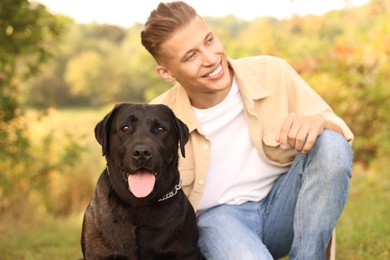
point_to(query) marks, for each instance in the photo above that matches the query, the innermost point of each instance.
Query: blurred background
(60, 74)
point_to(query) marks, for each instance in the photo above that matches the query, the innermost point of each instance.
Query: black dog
(139, 210)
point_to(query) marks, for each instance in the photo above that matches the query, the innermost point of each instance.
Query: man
(268, 163)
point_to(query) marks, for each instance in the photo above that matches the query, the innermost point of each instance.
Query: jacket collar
(249, 88)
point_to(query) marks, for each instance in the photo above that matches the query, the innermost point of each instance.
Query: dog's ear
(181, 128)
(183, 134)
(103, 129)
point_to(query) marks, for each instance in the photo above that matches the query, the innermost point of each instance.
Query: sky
(125, 13)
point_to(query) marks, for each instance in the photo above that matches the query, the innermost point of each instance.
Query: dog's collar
(172, 193)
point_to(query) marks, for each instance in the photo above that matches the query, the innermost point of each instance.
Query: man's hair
(163, 22)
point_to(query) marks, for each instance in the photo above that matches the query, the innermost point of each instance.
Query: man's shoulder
(258, 66)
(166, 97)
(259, 60)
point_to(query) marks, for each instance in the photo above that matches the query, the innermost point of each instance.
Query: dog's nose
(142, 153)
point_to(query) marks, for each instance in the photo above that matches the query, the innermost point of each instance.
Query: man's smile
(215, 73)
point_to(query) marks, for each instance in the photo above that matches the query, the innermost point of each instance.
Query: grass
(48, 238)
(363, 231)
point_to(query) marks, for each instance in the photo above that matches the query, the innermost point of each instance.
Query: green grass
(48, 238)
(363, 231)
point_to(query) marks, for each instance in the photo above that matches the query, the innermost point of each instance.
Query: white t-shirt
(237, 173)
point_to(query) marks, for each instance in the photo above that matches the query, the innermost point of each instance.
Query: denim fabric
(296, 218)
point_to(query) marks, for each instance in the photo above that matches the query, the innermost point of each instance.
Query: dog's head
(140, 143)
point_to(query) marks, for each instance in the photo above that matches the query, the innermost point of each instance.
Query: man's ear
(164, 73)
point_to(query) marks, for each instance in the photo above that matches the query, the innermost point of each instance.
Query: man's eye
(190, 56)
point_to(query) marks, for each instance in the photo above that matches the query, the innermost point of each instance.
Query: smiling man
(268, 162)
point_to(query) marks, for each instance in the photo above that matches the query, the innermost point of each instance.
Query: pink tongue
(141, 183)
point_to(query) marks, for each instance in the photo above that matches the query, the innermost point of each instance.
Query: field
(363, 231)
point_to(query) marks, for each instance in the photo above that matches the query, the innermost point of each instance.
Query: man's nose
(209, 57)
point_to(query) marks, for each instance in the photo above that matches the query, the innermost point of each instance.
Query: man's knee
(223, 236)
(329, 162)
(333, 151)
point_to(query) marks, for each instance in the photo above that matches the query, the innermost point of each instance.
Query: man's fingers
(300, 132)
(285, 130)
(300, 138)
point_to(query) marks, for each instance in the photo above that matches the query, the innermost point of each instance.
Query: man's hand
(301, 131)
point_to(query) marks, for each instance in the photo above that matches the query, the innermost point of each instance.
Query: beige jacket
(270, 90)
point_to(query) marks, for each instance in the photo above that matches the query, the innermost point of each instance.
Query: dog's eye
(160, 130)
(125, 129)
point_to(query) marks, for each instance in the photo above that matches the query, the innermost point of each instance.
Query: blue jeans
(296, 218)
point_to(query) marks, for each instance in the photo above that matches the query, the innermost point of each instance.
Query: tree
(27, 32)
(97, 77)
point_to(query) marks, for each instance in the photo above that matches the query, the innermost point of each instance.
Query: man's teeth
(215, 72)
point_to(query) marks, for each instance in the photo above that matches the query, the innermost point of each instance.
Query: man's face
(195, 57)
